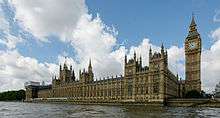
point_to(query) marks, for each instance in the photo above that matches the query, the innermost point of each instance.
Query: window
(147, 90)
(142, 90)
(130, 87)
(130, 90)
(155, 89)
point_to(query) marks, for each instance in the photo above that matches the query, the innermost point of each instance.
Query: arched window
(130, 87)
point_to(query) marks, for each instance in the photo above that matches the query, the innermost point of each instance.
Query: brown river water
(38, 110)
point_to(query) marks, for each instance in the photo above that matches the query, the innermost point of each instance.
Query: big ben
(193, 59)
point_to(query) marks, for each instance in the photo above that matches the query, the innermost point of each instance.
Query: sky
(36, 36)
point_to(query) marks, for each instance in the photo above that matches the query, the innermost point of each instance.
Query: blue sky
(35, 36)
(161, 21)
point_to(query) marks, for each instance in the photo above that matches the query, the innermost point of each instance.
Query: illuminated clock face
(192, 45)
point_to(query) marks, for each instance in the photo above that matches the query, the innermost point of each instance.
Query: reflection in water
(33, 110)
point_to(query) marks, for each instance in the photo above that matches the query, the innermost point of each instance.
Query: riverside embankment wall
(193, 102)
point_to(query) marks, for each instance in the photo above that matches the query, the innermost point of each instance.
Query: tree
(12, 95)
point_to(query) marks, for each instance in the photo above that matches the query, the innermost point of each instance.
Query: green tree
(12, 95)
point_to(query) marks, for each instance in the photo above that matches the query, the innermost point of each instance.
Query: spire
(166, 53)
(73, 75)
(193, 23)
(80, 72)
(64, 65)
(150, 53)
(125, 58)
(90, 66)
(192, 26)
(162, 48)
(140, 59)
(60, 67)
(71, 67)
(134, 55)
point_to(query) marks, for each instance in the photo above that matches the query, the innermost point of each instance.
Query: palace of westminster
(148, 84)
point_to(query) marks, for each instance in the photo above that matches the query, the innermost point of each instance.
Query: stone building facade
(148, 84)
(193, 47)
(153, 83)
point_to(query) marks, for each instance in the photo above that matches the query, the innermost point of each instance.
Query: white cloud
(176, 58)
(216, 18)
(46, 17)
(216, 34)
(9, 40)
(90, 38)
(16, 69)
(93, 39)
(143, 50)
(211, 63)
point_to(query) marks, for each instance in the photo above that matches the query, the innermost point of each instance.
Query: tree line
(12, 95)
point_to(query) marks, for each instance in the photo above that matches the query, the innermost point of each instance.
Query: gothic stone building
(155, 83)
(193, 47)
(149, 84)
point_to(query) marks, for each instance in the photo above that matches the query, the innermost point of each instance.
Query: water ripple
(33, 110)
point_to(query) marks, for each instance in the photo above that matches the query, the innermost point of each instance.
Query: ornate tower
(90, 71)
(130, 69)
(193, 58)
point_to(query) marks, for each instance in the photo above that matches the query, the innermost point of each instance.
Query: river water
(38, 110)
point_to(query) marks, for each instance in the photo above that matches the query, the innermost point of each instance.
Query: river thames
(38, 110)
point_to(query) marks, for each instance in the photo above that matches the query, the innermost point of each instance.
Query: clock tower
(193, 59)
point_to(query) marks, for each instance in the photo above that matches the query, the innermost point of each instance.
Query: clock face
(192, 45)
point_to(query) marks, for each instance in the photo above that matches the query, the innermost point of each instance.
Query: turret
(192, 26)
(71, 67)
(79, 73)
(60, 68)
(162, 49)
(64, 65)
(90, 71)
(150, 53)
(158, 60)
(125, 58)
(192, 29)
(90, 66)
(140, 61)
(134, 56)
(60, 73)
(140, 64)
(166, 54)
(73, 76)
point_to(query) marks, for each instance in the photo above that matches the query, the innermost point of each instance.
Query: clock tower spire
(193, 58)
